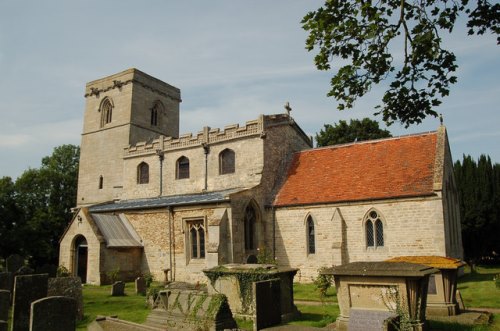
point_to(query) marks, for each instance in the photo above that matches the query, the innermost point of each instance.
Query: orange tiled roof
(378, 169)
(439, 262)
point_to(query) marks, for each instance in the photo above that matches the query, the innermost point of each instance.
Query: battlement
(207, 136)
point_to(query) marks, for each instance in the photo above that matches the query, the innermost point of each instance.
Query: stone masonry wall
(411, 227)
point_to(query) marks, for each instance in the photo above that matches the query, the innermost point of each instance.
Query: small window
(226, 162)
(182, 168)
(311, 243)
(196, 239)
(249, 224)
(106, 110)
(374, 228)
(143, 173)
(154, 116)
(101, 182)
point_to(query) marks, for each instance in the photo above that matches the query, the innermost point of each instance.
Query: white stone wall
(411, 227)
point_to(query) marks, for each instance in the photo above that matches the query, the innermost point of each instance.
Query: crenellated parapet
(204, 137)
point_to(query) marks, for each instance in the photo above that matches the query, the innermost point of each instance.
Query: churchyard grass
(97, 300)
(478, 289)
(309, 292)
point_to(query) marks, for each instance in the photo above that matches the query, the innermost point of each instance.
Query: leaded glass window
(143, 173)
(249, 224)
(182, 167)
(311, 243)
(374, 228)
(197, 239)
(226, 162)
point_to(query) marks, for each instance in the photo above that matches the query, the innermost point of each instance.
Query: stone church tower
(121, 110)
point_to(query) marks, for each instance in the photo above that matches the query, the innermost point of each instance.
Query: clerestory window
(374, 230)
(143, 173)
(226, 162)
(182, 170)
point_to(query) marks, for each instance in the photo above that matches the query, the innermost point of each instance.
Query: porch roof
(117, 230)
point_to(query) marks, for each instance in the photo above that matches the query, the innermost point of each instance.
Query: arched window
(156, 112)
(374, 228)
(226, 162)
(143, 173)
(106, 110)
(197, 239)
(101, 182)
(182, 170)
(249, 224)
(311, 242)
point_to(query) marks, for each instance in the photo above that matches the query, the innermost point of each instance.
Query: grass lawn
(478, 289)
(309, 292)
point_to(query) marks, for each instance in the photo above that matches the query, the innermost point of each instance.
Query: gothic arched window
(374, 230)
(197, 239)
(311, 241)
(106, 110)
(249, 225)
(143, 173)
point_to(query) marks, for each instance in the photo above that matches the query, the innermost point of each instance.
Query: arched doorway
(81, 258)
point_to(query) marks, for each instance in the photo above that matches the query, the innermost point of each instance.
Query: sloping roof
(165, 201)
(117, 230)
(439, 262)
(377, 169)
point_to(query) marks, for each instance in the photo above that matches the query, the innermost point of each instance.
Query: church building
(153, 201)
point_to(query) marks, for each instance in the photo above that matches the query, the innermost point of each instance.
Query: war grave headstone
(140, 286)
(4, 305)
(26, 290)
(53, 313)
(14, 262)
(68, 287)
(118, 289)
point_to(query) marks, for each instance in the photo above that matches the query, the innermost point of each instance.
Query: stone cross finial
(441, 119)
(288, 108)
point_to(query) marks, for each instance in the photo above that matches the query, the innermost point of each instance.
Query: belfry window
(143, 173)
(249, 225)
(311, 242)
(226, 162)
(374, 230)
(106, 110)
(196, 239)
(154, 116)
(182, 170)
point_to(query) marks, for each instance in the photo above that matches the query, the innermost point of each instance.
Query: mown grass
(309, 292)
(478, 288)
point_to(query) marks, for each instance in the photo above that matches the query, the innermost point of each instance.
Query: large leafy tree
(11, 221)
(45, 197)
(356, 130)
(371, 35)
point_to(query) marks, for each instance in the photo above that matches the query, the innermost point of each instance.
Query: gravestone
(140, 286)
(7, 281)
(370, 320)
(68, 287)
(53, 313)
(50, 269)
(14, 262)
(267, 308)
(118, 289)
(4, 305)
(26, 290)
(3, 326)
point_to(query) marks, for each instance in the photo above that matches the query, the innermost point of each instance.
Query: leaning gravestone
(26, 290)
(118, 289)
(68, 287)
(53, 313)
(140, 286)
(4, 305)
(14, 262)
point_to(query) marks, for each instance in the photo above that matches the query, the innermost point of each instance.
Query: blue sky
(232, 60)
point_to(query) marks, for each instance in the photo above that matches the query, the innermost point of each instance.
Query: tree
(11, 224)
(45, 197)
(356, 130)
(367, 33)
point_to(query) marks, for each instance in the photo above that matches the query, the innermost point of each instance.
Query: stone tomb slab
(53, 313)
(27, 289)
(370, 320)
(68, 287)
(4, 305)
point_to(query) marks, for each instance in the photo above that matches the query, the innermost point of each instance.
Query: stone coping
(385, 269)
(245, 268)
(438, 262)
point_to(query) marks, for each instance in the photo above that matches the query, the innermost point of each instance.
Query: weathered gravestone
(267, 308)
(4, 305)
(118, 289)
(26, 290)
(140, 286)
(68, 287)
(7, 281)
(53, 313)
(14, 262)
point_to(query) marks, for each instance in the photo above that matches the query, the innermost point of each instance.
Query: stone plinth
(236, 282)
(441, 293)
(382, 286)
